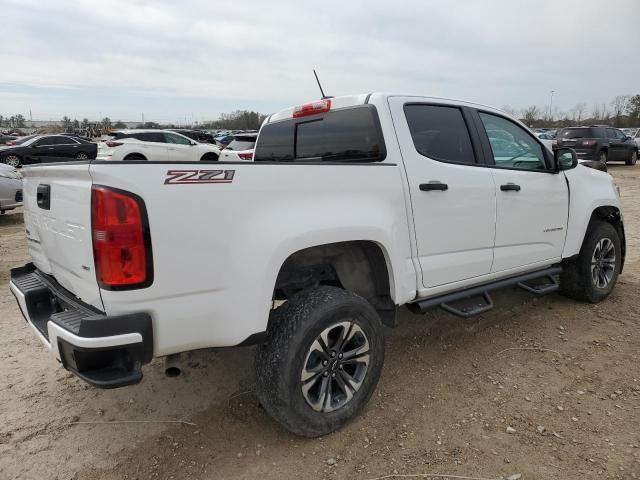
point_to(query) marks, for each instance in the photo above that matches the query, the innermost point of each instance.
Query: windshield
(242, 143)
(29, 139)
(25, 140)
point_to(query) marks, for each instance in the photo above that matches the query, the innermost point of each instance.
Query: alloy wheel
(335, 366)
(603, 263)
(12, 161)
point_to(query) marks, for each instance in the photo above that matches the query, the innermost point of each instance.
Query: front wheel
(321, 360)
(603, 157)
(633, 159)
(591, 276)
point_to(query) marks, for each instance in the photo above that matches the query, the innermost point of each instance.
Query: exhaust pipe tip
(172, 372)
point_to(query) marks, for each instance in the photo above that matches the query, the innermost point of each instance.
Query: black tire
(576, 280)
(633, 158)
(293, 331)
(135, 156)
(603, 156)
(209, 157)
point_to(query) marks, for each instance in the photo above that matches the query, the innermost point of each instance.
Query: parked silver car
(10, 188)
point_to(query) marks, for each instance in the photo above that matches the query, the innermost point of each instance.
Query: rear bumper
(105, 351)
(587, 154)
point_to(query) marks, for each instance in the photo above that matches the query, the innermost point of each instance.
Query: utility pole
(551, 105)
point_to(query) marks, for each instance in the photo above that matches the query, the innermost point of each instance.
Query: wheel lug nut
(333, 354)
(340, 366)
(333, 374)
(326, 374)
(340, 355)
(325, 363)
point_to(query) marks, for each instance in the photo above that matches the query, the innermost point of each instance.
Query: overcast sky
(194, 59)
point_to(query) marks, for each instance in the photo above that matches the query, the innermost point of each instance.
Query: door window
(177, 139)
(611, 133)
(511, 145)
(440, 133)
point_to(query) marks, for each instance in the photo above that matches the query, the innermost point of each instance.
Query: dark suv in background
(599, 143)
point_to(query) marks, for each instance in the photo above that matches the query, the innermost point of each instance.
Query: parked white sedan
(154, 145)
(10, 188)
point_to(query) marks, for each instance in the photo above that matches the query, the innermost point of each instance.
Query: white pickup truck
(351, 207)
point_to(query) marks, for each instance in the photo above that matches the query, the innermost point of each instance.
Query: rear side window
(345, 135)
(576, 133)
(156, 137)
(440, 133)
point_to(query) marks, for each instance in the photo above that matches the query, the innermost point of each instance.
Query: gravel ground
(457, 397)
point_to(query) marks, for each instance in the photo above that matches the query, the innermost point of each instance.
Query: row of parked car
(130, 145)
(600, 143)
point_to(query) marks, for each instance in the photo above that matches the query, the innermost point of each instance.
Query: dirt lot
(449, 390)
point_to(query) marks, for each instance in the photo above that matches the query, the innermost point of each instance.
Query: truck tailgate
(57, 217)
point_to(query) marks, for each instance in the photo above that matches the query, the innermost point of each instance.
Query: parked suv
(154, 145)
(599, 142)
(352, 207)
(240, 148)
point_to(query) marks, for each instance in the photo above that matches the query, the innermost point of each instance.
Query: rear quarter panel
(218, 247)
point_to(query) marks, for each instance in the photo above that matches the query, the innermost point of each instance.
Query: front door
(532, 200)
(180, 149)
(452, 192)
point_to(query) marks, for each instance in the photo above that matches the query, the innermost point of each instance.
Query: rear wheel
(321, 360)
(591, 276)
(209, 157)
(13, 160)
(603, 157)
(633, 159)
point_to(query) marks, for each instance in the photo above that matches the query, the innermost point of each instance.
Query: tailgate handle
(44, 196)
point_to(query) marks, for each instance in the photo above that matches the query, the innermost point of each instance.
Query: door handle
(510, 187)
(43, 196)
(434, 185)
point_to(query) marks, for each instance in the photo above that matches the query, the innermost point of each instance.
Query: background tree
(578, 112)
(76, 124)
(106, 122)
(85, 123)
(530, 115)
(119, 124)
(619, 105)
(66, 123)
(633, 110)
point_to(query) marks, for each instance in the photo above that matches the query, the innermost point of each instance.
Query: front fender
(589, 190)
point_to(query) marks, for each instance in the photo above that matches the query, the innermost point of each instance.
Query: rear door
(452, 192)
(532, 200)
(57, 217)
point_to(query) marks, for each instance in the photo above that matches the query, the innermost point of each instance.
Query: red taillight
(246, 156)
(589, 142)
(121, 244)
(114, 144)
(321, 106)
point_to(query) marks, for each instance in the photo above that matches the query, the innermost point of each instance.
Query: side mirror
(565, 158)
(193, 144)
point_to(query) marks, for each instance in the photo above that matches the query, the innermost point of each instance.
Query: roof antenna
(324, 97)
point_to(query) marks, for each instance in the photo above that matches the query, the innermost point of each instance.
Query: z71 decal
(199, 176)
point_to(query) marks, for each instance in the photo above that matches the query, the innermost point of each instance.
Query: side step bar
(531, 282)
